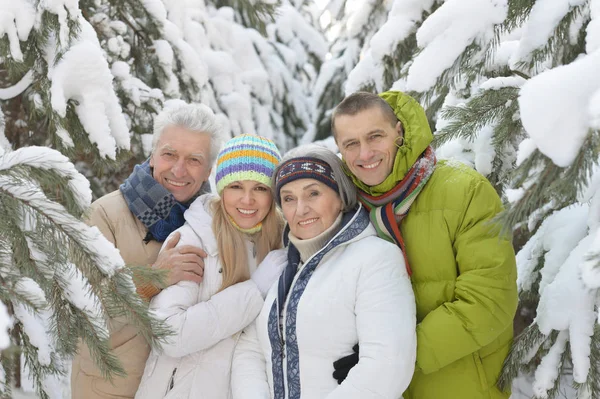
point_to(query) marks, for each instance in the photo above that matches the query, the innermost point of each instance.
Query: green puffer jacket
(464, 272)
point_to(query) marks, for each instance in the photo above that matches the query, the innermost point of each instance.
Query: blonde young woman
(239, 229)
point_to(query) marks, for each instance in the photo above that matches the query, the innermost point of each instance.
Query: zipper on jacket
(281, 323)
(237, 339)
(172, 380)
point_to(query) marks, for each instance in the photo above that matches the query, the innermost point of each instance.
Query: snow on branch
(555, 107)
(35, 321)
(18, 88)
(502, 82)
(76, 289)
(49, 159)
(567, 305)
(17, 18)
(176, 44)
(77, 69)
(297, 33)
(544, 18)
(547, 373)
(564, 252)
(82, 74)
(447, 32)
(65, 10)
(402, 21)
(105, 255)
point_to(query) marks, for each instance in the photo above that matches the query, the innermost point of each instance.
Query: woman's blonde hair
(232, 247)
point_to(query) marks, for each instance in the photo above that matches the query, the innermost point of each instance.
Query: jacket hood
(417, 137)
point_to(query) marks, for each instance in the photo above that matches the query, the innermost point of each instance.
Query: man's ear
(151, 161)
(399, 129)
(208, 174)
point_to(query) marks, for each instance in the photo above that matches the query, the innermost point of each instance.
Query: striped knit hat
(246, 157)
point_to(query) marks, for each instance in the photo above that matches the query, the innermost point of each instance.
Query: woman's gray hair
(347, 190)
(194, 117)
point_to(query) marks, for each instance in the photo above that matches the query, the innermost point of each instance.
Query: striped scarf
(387, 211)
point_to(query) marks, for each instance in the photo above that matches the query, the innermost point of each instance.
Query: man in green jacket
(440, 213)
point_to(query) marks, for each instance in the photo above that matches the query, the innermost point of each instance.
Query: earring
(399, 142)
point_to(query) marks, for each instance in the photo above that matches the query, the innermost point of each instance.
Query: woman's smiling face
(247, 202)
(309, 206)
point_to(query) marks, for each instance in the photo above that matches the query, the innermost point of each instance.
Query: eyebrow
(169, 148)
(353, 139)
(256, 183)
(303, 188)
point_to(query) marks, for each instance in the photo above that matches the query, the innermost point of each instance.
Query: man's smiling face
(181, 161)
(368, 143)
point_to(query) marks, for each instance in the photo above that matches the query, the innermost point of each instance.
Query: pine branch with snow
(255, 14)
(67, 80)
(352, 26)
(62, 279)
(487, 124)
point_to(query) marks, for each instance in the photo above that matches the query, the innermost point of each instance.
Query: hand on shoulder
(184, 263)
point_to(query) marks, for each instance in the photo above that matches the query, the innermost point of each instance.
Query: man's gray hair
(347, 190)
(197, 118)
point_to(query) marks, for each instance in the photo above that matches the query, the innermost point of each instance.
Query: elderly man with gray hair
(137, 218)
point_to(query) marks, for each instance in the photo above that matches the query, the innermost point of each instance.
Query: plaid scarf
(152, 204)
(387, 211)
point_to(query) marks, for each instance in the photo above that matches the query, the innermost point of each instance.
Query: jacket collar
(354, 226)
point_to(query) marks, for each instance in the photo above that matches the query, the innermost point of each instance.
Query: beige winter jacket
(114, 219)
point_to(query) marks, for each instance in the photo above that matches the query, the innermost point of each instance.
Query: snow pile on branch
(47, 159)
(15, 90)
(401, 22)
(82, 74)
(195, 69)
(35, 321)
(17, 18)
(555, 107)
(52, 235)
(77, 69)
(567, 245)
(543, 19)
(447, 32)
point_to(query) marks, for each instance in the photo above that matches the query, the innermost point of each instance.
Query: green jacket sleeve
(485, 291)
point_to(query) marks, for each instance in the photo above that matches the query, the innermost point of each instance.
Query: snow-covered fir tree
(86, 79)
(61, 280)
(511, 88)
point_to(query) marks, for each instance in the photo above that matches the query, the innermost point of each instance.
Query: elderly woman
(342, 286)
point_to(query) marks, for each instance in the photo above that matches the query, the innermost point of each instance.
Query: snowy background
(511, 88)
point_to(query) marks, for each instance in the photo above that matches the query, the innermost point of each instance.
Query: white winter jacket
(196, 362)
(354, 290)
